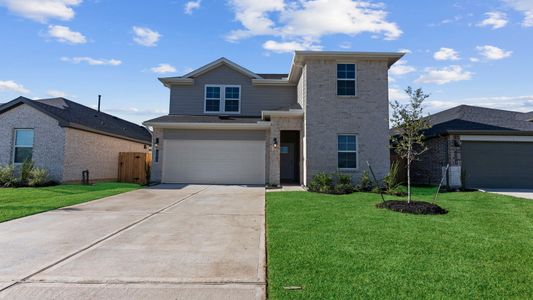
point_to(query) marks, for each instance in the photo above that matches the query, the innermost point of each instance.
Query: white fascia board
(176, 81)
(282, 113)
(233, 126)
(497, 138)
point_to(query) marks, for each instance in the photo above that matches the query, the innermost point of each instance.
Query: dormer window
(346, 80)
(222, 99)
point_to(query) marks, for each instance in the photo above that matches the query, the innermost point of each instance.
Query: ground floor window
(23, 146)
(347, 151)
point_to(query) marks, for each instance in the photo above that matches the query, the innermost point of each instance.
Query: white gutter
(233, 126)
(272, 82)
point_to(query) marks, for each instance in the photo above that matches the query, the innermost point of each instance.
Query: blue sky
(462, 52)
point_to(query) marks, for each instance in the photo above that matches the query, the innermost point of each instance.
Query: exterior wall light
(275, 143)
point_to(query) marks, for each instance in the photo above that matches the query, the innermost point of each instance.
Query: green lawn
(20, 202)
(342, 247)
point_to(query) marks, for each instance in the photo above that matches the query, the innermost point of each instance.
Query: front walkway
(166, 242)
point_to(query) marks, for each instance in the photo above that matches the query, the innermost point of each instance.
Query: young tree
(410, 123)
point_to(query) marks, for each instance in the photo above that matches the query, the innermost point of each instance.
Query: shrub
(365, 184)
(321, 183)
(343, 179)
(7, 175)
(38, 177)
(343, 188)
(391, 180)
(25, 171)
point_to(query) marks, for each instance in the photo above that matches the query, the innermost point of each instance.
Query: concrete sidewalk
(520, 193)
(166, 242)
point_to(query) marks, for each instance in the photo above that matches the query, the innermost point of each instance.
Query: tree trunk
(409, 174)
(408, 181)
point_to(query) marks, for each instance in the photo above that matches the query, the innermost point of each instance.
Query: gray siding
(190, 99)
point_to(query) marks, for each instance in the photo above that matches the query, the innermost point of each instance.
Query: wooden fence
(134, 167)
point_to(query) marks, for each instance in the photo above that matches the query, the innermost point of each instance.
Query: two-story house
(229, 125)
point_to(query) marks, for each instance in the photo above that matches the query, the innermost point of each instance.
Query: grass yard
(20, 202)
(342, 247)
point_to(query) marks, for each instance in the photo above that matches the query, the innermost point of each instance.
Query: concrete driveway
(166, 242)
(520, 193)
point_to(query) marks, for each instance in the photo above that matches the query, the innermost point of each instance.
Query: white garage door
(214, 161)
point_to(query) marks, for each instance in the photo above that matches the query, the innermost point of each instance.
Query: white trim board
(497, 138)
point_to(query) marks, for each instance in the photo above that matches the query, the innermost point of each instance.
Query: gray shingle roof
(75, 115)
(474, 118)
(203, 119)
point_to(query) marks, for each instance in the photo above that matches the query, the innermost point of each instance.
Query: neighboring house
(67, 138)
(486, 148)
(229, 125)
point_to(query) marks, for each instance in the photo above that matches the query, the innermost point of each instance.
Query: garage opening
(214, 161)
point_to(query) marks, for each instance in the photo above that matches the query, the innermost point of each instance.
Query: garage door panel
(498, 164)
(214, 161)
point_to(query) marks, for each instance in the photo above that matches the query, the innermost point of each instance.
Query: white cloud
(145, 36)
(397, 94)
(345, 45)
(474, 59)
(92, 61)
(404, 50)
(42, 10)
(56, 94)
(493, 53)
(283, 47)
(495, 19)
(163, 68)
(309, 20)
(446, 54)
(10, 85)
(444, 75)
(524, 6)
(401, 68)
(191, 6)
(65, 35)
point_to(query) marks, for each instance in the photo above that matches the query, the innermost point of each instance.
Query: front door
(287, 162)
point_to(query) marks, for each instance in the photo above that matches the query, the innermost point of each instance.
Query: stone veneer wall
(94, 152)
(328, 115)
(49, 138)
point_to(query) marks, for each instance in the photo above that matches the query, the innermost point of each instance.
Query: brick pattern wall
(49, 138)
(273, 154)
(96, 153)
(328, 115)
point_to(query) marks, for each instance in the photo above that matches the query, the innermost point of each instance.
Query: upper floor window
(23, 146)
(222, 98)
(346, 79)
(347, 151)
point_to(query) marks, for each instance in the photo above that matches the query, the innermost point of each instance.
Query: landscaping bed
(414, 207)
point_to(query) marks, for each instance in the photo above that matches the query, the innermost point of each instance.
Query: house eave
(261, 125)
(169, 81)
(265, 114)
(272, 82)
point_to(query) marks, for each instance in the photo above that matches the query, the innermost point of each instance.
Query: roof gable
(219, 62)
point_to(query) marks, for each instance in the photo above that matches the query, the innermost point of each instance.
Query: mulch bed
(415, 207)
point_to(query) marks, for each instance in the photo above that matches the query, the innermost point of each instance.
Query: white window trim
(222, 107)
(345, 79)
(15, 145)
(349, 151)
